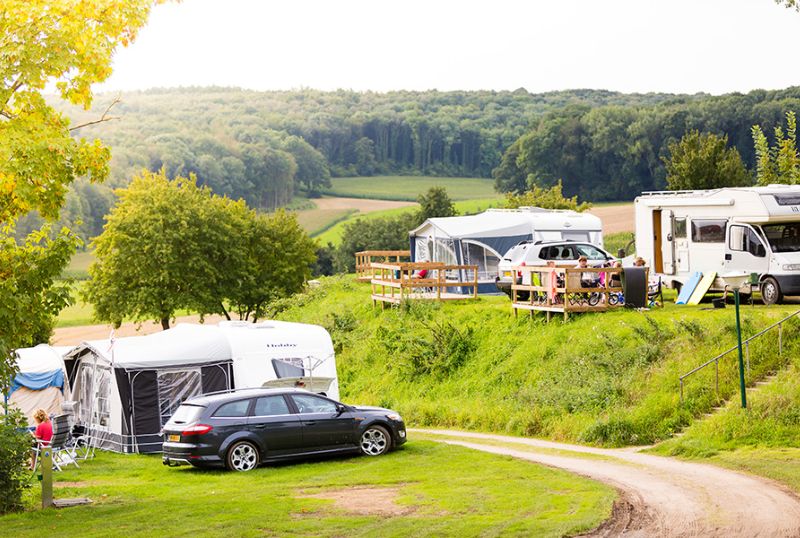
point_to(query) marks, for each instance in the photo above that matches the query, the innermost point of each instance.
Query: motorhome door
(745, 250)
(668, 242)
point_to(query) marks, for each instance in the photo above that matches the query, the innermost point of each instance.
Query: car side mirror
(340, 408)
(761, 251)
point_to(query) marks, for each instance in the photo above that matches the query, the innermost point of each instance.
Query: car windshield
(186, 413)
(591, 252)
(783, 237)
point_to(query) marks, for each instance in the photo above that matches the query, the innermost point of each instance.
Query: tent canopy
(507, 222)
(39, 367)
(183, 344)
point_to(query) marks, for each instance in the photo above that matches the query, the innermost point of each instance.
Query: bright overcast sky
(682, 46)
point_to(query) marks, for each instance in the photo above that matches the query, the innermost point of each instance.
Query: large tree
(704, 161)
(66, 45)
(169, 245)
(780, 163)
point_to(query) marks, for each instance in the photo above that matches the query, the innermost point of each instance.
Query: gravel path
(661, 496)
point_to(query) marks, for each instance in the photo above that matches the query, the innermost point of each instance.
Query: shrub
(446, 351)
(15, 449)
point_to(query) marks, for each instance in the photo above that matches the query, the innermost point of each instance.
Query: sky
(677, 46)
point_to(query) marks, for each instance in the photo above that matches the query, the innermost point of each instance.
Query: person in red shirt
(44, 428)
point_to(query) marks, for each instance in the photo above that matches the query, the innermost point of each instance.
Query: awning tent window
(486, 259)
(176, 386)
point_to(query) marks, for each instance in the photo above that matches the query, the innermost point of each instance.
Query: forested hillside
(615, 152)
(267, 147)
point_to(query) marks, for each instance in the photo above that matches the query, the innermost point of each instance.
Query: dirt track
(663, 496)
(72, 336)
(616, 218)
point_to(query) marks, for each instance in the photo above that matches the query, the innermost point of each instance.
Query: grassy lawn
(409, 187)
(441, 491)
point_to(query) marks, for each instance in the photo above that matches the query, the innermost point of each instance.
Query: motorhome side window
(744, 239)
(680, 228)
(708, 231)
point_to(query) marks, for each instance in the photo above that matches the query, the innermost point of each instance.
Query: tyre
(375, 441)
(242, 456)
(594, 298)
(770, 291)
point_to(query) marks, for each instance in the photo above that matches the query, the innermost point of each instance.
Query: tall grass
(607, 378)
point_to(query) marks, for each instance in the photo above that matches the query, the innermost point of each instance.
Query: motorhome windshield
(783, 237)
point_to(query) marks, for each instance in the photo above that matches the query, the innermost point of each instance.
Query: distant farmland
(409, 187)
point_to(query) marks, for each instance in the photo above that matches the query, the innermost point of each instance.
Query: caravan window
(680, 227)
(708, 231)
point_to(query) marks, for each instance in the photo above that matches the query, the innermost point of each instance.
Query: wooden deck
(394, 283)
(559, 290)
(366, 258)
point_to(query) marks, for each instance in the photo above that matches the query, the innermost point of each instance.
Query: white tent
(482, 239)
(126, 390)
(41, 382)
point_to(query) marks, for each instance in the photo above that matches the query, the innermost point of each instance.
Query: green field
(409, 187)
(464, 207)
(315, 221)
(439, 490)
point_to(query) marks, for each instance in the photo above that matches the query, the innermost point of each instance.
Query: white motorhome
(745, 229)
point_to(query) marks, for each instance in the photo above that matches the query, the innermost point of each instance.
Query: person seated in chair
(43, 432)
(588, 278)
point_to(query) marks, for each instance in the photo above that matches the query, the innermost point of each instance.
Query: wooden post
(46, 466)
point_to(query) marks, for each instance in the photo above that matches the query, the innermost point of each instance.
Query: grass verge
(442, 491)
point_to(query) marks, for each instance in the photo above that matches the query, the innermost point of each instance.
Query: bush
(446, 351)
(15, 449)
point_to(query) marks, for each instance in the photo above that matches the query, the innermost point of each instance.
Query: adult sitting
(44, 428)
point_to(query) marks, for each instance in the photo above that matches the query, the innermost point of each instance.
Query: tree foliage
(704, 161)
(170, 245)
(67, 45)
(546, 198)
(615, 152)
(781, 162)
(15, 449)
(435, 203)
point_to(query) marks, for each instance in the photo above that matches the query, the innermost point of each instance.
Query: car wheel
(242, 456)
(770, 291)
(375, 441)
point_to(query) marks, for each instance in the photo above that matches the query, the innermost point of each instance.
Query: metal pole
(741, 359)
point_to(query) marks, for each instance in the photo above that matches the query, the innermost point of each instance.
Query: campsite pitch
(425, 489)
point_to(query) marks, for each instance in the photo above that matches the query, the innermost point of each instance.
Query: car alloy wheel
(375, 441)
(242, 456)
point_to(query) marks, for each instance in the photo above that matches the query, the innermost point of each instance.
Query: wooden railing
(566, 289)
(365, 259)
(397, 282)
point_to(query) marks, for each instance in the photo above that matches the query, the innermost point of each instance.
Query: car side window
(271, 405)
(233, 409)
(306, 403)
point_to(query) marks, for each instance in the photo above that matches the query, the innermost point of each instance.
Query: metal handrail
(745, 343)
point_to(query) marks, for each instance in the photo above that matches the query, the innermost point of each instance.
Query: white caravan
(745, 229)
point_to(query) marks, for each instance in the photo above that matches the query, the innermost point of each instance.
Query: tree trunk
(165, 323)
(222, 306)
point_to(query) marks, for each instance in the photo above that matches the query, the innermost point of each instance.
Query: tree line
(616, 152)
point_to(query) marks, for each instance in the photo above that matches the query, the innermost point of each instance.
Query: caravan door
(744, 250)
(668, 242)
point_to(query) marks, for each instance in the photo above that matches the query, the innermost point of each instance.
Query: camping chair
(655, 295)
(60, 444)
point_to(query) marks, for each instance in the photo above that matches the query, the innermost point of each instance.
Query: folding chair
(655, 295)
(60, 444)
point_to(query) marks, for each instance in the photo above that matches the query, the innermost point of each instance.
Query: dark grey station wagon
(245, 428)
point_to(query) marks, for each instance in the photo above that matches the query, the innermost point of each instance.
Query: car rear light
(200, 429)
